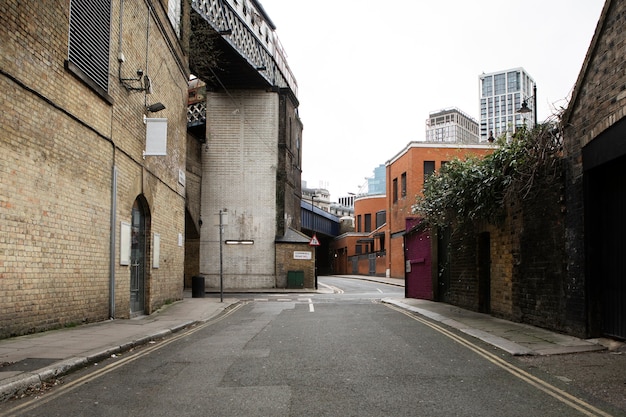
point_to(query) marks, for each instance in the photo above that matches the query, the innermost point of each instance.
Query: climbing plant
(476, 189)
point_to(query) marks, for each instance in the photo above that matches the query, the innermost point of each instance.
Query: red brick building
(406, 173)
(376, 247)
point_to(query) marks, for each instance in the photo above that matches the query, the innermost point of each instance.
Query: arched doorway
(138, 260)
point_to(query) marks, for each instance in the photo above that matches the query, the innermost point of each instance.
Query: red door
(418, 273)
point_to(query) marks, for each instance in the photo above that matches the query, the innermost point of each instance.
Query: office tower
(501, 96)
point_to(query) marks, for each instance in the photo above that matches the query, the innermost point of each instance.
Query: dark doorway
(138, 258)
(484, 272)
(606, 243)
(443, 265)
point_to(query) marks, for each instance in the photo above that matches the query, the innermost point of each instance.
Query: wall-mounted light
(156, 107)
(239, 242)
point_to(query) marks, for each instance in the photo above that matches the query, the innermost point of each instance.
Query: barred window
(90, 33)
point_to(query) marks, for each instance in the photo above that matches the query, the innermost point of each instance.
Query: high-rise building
(501, 96)
(451, 126)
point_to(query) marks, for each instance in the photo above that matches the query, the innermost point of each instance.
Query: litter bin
(197, 286)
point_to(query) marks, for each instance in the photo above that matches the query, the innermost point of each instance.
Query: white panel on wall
(156, 136)
(124, 243)
(156, 250)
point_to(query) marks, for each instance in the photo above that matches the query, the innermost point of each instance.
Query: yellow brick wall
(58, 144)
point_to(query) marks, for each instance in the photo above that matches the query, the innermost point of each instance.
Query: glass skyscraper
(501, 96)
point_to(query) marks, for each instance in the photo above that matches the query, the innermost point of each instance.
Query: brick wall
(411, 161)
(285, 262)
(289, 168)
(540, 286)
(598, 102)
(58, 146)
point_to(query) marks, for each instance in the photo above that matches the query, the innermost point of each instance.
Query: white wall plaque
(156, 250)
(124, 243)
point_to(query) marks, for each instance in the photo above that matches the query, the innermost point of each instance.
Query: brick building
(556, 259)
(595, 151)
(92, 190)
(406, 173)
(376, 247)
(362, 250)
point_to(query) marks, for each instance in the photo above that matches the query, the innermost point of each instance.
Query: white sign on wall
(124, 243)
(302, 255)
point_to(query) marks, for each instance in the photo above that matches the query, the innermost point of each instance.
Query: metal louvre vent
(90, 30)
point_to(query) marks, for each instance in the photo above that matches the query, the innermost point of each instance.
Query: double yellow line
(564, 397)
(66, 388)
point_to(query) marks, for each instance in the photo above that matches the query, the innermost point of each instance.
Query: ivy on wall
(478, 189)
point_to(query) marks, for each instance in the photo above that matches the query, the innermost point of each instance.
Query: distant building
(318, 197)
(347, 201)
(377, 184)
(451, 126)
(501, 96)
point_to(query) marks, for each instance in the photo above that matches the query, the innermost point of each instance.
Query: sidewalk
(514, 338)
(28, 360)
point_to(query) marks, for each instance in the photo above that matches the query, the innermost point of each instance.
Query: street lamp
(314, 235)
(525, 109)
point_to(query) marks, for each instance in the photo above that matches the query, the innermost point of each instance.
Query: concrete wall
(239, 175)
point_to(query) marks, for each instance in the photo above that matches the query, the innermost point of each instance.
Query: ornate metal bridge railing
(265, 54)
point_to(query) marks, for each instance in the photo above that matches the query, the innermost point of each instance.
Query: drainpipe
(112, 243)
(114, 194)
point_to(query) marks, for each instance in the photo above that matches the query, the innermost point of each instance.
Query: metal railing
(270, 63)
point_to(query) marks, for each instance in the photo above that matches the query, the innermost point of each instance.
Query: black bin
(197, 286)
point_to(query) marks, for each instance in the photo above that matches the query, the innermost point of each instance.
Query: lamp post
(313, 230)
(524, 109)
(221, 257)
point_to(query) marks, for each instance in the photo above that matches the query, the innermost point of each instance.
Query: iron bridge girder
(273, 67)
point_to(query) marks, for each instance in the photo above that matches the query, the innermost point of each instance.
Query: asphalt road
(342, 354)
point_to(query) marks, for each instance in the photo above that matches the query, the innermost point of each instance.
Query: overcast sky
(370, 72)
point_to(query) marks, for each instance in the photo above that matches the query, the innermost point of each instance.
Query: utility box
(295, 279)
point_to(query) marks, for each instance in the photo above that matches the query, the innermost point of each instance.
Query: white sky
(370, 72)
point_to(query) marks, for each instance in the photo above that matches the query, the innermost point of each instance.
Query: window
(358, 223)
(487, 86)
(381, 218)
(90, 32)
(403, 184)
(173, 12)
(429, 168)
(368, 223)
(513, 81)
(395, 190)
(500, 84)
